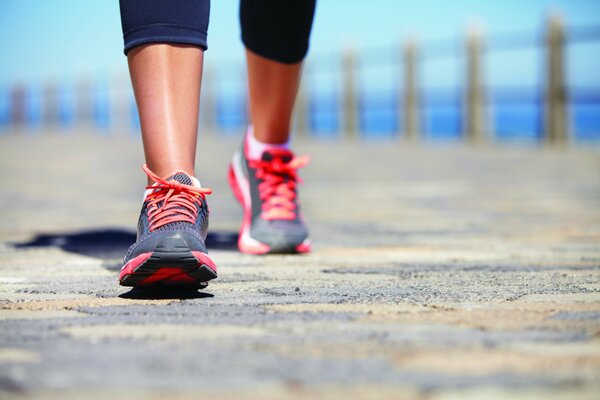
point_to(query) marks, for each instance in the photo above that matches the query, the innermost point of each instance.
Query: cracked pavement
(438, 272)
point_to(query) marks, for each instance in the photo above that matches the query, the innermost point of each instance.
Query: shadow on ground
(165, 293)
(110, 245)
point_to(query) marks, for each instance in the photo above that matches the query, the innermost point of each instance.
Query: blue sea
(513, 115)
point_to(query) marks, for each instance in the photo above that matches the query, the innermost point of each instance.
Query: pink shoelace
(172, 201)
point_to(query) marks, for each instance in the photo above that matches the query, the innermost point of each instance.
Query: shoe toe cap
(177, 239)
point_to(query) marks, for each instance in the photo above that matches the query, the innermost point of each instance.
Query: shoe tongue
(181, 177)
(285, 155)
(185, 179)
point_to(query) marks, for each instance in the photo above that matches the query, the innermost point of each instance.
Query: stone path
(438, 273)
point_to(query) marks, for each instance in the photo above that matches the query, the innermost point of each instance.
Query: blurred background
(501, 71)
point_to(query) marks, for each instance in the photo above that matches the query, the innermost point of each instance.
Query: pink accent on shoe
(168, 276)
(204, 259)
(304, 247)
(131, 266)
(246, 243)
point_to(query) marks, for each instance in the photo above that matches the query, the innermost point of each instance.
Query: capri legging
(276, 29)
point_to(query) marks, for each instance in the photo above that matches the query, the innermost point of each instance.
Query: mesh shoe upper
(276, 214)
(174, 207)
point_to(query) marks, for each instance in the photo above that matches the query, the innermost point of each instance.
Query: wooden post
(50, 105)
(411, 91)
(18, 105)
(476, 129)
(84, 102)
(119, 93)
(556, 93)
(208, 102)
(302, 108)
(349, 98)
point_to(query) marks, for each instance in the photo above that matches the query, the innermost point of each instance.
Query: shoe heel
(235, 188)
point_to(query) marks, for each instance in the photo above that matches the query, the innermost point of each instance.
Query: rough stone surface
(437, 273)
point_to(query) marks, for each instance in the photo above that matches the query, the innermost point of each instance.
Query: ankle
(166, 169)
(255, 148)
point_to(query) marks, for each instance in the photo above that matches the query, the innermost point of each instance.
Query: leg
(276, 35)
(264, 175)
(272, 88)
(164, 43)
(166, 82)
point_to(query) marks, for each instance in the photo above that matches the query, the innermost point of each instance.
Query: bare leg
(272, 91)
(166, 82)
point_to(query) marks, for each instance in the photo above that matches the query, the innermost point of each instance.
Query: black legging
(275, 29)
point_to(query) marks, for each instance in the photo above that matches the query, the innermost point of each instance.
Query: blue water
(101, 106)
(4, 107)
(587, 121)
(231, 114)
(134, 119)
(518, 118)
(379, 117)
(513, 115)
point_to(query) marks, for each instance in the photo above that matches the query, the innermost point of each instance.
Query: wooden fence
(108, 103)
(476, 127)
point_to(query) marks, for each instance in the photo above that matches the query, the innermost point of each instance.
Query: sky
(69, 39)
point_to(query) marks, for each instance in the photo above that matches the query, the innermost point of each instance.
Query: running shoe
(267, 190)
(172, 228)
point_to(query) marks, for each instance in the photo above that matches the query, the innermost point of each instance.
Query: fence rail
(469, 108)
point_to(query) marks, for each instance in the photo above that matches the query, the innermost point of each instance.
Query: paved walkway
(438, 273)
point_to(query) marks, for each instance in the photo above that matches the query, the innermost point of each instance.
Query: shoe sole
(171, 264)
(241, 191)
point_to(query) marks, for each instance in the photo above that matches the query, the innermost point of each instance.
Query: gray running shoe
(172, 228)
(267, 191)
